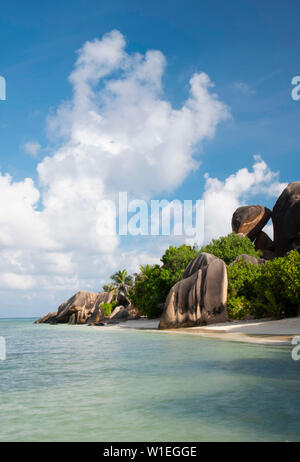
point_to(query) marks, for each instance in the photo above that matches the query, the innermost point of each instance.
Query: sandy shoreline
(267, 332)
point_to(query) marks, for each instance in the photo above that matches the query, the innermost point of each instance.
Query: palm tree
(109, 287)
(122, 282)
(145, 270)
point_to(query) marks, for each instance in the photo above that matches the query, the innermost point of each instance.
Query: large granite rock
(265, 244)
(81, 301)
(202, 260)
(119, 314)
(250, 220)
(48, 318)
(133, 312)
(97, 317)
(200, 297)
(286, 220)
(82, 305)
(248, 259)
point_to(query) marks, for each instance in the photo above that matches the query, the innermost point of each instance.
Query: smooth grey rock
(265, 244)
(133, 312)
(249, 259)
(81, 301)
(201, 261)
(48, 318)
(286, 220)
(97, 317)
(200, 297)
(250, 220)
(119, 314)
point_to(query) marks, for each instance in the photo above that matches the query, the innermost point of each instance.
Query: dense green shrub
(270, 289)
(176, 259)
(150, 290)
(153, 283)
(278, 288)
(241, 298)
(229, 247)
(108, 307)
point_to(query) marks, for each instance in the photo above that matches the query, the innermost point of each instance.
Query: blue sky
(249, 50)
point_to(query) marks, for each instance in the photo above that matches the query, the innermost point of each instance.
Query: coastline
(268, 332)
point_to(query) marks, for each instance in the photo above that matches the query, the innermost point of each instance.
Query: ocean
(79, 383)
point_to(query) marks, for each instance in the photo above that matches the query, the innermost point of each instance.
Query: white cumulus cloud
(222, 198)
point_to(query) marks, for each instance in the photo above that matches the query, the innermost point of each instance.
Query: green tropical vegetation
(229, 247)
(271, 289)
(154, 282)
(121, 283)
(108, 307)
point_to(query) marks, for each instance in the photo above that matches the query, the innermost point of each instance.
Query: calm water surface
(77, 383)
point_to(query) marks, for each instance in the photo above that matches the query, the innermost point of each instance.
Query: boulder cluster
(87, 308)
(200, 297)
(251, 219)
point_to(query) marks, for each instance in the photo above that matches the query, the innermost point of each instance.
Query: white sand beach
(265, 331)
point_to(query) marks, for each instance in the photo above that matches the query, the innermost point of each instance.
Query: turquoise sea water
(77, 383)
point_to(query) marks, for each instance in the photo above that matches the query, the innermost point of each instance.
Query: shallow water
(77, 383)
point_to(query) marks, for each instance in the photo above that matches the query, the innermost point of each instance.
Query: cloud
(124, 123)
(117, 133)
(244, 88)
(222, 198)
(21, 225)
(32, 148)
